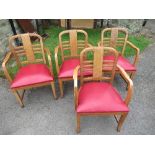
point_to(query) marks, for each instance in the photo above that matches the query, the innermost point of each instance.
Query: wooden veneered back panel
(71, 46)
(114, 37)
(97, 63)
(95, 67)
(27, 51)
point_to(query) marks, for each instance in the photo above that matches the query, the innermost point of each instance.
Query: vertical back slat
(73, 42)
(28, 47)
(114, 36)
(98, 69)
(98, 64)
(114, 40)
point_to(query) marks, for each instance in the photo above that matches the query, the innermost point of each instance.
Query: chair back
(114, 37)
(72, 42)
(93, 66)
(29, 49)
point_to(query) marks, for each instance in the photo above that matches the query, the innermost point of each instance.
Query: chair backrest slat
(72, 44)
(97, 64)
(95, 67)
(28, 50)
(114, 37)
(28, 47)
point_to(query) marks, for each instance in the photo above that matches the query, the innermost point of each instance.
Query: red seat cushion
(32, 74)
(67, 68)
(123, 62)
(96, 97)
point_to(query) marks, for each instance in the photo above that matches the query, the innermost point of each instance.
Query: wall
(5, 32)
(133, 25)
(79, 23)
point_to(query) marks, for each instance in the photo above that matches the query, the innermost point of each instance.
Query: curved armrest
(56, 58)
(75, 77)
(129, 82)
(136, 50)
(99, 43)
(47, 51)
(90, 45)
(5, 61)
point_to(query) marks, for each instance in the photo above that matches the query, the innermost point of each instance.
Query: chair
(33, 70)
(118, 39)
(71, 42)
(96, 95)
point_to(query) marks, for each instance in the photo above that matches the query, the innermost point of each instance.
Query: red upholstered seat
(67, 68)
(123, 62)
(32, 74)
(96, 97)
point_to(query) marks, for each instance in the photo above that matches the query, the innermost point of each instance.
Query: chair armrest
(90, 45)
(5, 61)
(99, 43)
(75, 78)
(56, 58)
(129, 82)
(136, 50)
(47, 51)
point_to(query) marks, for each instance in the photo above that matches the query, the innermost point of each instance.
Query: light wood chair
(34, 64)
(71, 42)
(118, 39)
(96, 96)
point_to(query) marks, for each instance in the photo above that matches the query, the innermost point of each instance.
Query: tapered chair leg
(61, 87)
(18, 98)
(53, 90)
(121, 120)
(132, 75)
(78, 123)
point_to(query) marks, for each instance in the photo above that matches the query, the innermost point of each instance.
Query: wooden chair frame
(27, 50)
(73, 45)
(115, 41)
(99, 77)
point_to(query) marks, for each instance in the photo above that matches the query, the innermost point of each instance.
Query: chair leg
(61, 87)
(132, 75)
(18, 98)
(53, 90)
(121, 120)
(23, 94)
(78, 123)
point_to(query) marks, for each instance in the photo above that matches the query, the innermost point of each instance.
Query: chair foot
(61, 88)
(121, 120)
(22, 106)
(53, 90)
(20, 101)
(78, 123)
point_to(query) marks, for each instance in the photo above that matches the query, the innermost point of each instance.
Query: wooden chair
(96, 96)
(118, 39)
(69, 54)
(33, 70)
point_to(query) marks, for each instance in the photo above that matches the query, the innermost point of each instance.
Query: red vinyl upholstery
(123, 62)
(67, 68)
(96, 97)
(32, 74)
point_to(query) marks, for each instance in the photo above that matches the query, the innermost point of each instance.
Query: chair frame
(114, 41)
(73, 45)
(15, 53)
(127, 99)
